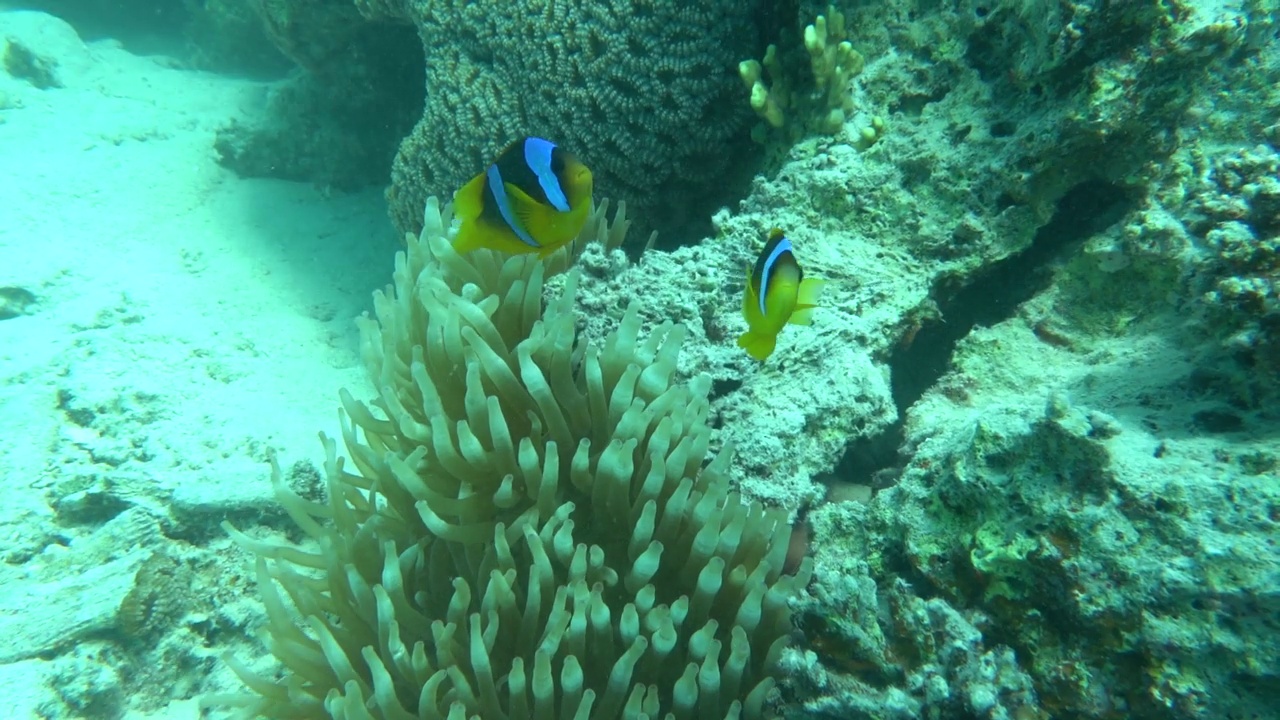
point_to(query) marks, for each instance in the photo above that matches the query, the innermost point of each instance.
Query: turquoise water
(1020, 463)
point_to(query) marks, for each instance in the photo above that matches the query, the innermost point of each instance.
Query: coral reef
(1084, 476)
(1234, 214)
(1124, 587)
(535, 521)
(1083, 465)
(892, 654)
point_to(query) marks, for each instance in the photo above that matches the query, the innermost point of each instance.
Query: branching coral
(827, 103)
(532, 528)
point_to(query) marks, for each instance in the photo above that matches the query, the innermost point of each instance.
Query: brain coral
(646, 93)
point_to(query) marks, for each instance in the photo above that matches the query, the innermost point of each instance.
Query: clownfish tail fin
(757, 345)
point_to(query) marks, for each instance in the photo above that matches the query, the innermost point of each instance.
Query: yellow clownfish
(534, 198)
(777, 293)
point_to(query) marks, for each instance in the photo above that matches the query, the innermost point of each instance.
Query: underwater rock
(70, 609)
(1126, 564)
(15, 302)
(886, 652)
(24, 63)
(316, 126)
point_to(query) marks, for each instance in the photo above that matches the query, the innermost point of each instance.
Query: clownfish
(534, 198)
(777, 293)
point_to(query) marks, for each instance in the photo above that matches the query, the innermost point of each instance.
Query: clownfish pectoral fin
(474, 235)
(807, 297)
(467, 238)
(531, 215)
(757, 345)
(551, 248)
(801, 316)
(810, 292)
(467, 206)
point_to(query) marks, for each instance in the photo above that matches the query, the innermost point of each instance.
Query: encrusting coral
(533, 527)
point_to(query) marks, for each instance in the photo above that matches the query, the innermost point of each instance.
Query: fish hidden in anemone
(777, 294)
(534, 198)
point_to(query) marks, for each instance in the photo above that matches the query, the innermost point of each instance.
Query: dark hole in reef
(1217, 421)
(871, 460)
(995, 293)
(1215, 382)
(915, 171)
(985, 53)
(1265, 692)
(724, 386)
(832, 642)
(913, 105)
(991, 296)
(1003, 128)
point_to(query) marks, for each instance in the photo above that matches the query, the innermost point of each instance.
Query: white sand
(188, 323)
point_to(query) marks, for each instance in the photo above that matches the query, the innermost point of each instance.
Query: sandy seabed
(173, 326)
